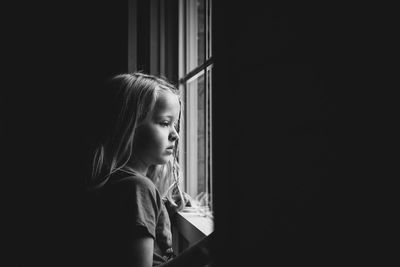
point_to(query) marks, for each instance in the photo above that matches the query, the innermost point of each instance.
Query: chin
(164, 160)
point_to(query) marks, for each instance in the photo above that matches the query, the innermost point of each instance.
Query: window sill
(193, 226)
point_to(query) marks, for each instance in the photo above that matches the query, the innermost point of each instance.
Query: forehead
(167, 104)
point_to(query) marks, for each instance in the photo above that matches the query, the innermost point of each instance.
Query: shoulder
(135, 186)
(134, 181)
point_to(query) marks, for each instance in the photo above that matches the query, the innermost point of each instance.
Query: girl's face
(156, 135)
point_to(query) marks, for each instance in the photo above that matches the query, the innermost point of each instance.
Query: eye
(165, 123)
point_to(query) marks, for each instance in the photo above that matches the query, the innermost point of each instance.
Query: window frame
(189, 71)
(160, 51)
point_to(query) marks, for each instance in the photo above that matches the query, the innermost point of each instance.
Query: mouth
(170, 148)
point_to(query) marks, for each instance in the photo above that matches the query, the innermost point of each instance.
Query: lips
(169, 151)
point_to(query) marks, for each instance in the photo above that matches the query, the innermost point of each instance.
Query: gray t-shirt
(130, 206)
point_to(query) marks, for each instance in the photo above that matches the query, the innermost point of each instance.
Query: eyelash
(167, 124)
(164, 123)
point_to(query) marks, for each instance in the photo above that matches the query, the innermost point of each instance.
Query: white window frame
(189, 66)
(190, 224)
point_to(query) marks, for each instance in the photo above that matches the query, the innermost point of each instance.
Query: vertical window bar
(132, 35)
(154, 37)
(209, 33)
(210, 135)
(206, 15)
(206, 89)
(162, 43)
(209, 106)
(205, 32)
(182, 141)
(185, 50)
(182, 88)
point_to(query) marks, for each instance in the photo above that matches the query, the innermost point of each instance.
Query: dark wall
(57, 57)
(278, 72)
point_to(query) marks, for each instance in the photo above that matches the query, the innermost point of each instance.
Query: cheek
(147, 140)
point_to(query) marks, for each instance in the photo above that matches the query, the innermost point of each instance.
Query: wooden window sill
(193, 225)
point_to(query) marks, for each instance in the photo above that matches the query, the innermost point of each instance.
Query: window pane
(201, 139)
(209, 28)
(197, 97)
(196, 140)
(195, 34)
(200, 31)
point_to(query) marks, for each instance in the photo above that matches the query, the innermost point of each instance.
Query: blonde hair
(135, 97)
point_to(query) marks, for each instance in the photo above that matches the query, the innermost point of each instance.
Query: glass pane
(200, 31)
(209, 29)
(195, 34)
(201, 138)
(196, 140)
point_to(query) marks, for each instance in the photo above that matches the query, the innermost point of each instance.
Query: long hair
(134, 97)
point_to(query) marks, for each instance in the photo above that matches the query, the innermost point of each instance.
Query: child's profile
(134, 186)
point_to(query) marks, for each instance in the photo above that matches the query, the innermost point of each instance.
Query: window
(173, 39)
(195, 74)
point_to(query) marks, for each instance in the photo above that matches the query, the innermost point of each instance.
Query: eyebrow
(164, 116)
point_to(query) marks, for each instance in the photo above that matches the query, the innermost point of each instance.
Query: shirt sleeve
(145, 206)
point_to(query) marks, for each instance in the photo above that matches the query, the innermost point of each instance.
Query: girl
(135, 179)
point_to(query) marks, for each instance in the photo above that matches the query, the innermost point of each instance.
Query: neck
(139, 166)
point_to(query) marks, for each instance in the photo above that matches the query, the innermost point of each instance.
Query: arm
(141, 252)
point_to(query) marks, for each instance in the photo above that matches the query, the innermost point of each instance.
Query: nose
(173, 136)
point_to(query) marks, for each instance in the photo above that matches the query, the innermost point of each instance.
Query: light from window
(195, 71)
